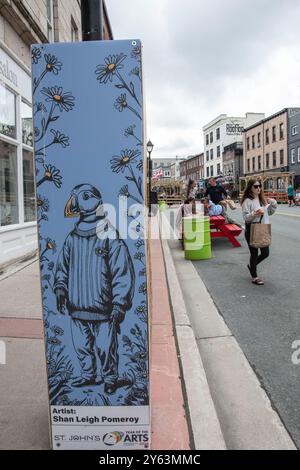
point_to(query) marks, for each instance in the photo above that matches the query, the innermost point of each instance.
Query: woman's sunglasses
(257, 186)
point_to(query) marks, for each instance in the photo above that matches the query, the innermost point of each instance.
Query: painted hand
(117, 316)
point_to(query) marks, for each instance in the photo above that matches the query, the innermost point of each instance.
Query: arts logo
(113, 438)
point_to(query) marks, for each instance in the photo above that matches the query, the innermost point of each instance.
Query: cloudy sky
(203, 58)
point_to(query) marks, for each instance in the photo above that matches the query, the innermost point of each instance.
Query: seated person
(213, 209)
(186, 209)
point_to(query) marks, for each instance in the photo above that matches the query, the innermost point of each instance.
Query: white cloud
(207, 57)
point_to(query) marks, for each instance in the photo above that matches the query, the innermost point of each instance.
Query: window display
(26, 116)
(8, 184)
(28, 186)
(7, 112)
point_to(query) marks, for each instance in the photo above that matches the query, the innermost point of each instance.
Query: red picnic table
(218, 229)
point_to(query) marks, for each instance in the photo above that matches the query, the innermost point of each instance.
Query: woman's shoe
(258, 281)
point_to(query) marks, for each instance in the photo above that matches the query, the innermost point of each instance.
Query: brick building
(22, 23)
(195, 167)
(294, 145)
(266, 143)
(182, 170)
(192, 168)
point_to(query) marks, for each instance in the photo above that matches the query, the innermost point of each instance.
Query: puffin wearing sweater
(94, 283)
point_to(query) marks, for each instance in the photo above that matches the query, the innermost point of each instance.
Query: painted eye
(86, 196)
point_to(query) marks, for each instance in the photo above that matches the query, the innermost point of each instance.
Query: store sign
(6, 72)
(14, 76)
(89, 156)
(234, 129)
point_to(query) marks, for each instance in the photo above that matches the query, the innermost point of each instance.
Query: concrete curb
(205, 426)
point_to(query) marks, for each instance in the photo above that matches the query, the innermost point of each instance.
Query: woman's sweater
(251, 205)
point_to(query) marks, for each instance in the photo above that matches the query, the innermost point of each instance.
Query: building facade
(195, 167)
(266, 143)
(294, 144)
(220, 132)
(22, 23)
(182, 170)
(233, 162)
(166, 167)
(162, 172)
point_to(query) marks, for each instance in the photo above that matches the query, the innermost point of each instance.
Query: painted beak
(72, 208)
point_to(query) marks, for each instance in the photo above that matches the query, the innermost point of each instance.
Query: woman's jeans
(255, 258)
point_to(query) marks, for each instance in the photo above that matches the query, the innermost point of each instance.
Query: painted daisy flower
(141, 309)
(130, 130)
(35, 54)
(140, 165)
(106, 71)
(65, 101)
(57, 330)
(139, 243)
(143, 272)
(42, 203)
(124, 191)
(60, 138)
(40, 107)
(139, 256)
(120, 163)
(135, 71)
(51, 245)
(136, 52)
(143, 288)
(52, 64)
(53, 174)
(55, 341)
(121, 102)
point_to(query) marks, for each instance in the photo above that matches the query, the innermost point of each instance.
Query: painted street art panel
(89, 155)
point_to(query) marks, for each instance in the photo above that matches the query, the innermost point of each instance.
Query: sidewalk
(24, 422)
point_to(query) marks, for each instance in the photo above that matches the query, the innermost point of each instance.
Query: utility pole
(92, 20)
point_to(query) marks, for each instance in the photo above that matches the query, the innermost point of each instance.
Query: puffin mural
(94, 284)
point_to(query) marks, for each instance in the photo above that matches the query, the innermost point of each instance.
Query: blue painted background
(86, 142)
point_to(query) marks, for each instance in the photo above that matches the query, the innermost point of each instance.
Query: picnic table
(218, 229)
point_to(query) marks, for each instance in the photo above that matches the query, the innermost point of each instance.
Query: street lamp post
(149, 150)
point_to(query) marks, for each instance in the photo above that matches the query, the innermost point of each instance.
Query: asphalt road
(264, 319)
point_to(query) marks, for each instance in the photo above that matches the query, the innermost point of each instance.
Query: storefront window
(28, 185)
(8, 184)
(7, 112)
(26, 116)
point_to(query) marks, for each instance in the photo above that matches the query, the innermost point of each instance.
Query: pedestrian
(212, 209)
(256, 209)
(215, 191)
(192, 189)
(297, 198)
(188, 208)
(290, 192)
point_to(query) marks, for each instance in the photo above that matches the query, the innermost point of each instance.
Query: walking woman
(192, 189)
(256, 209)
